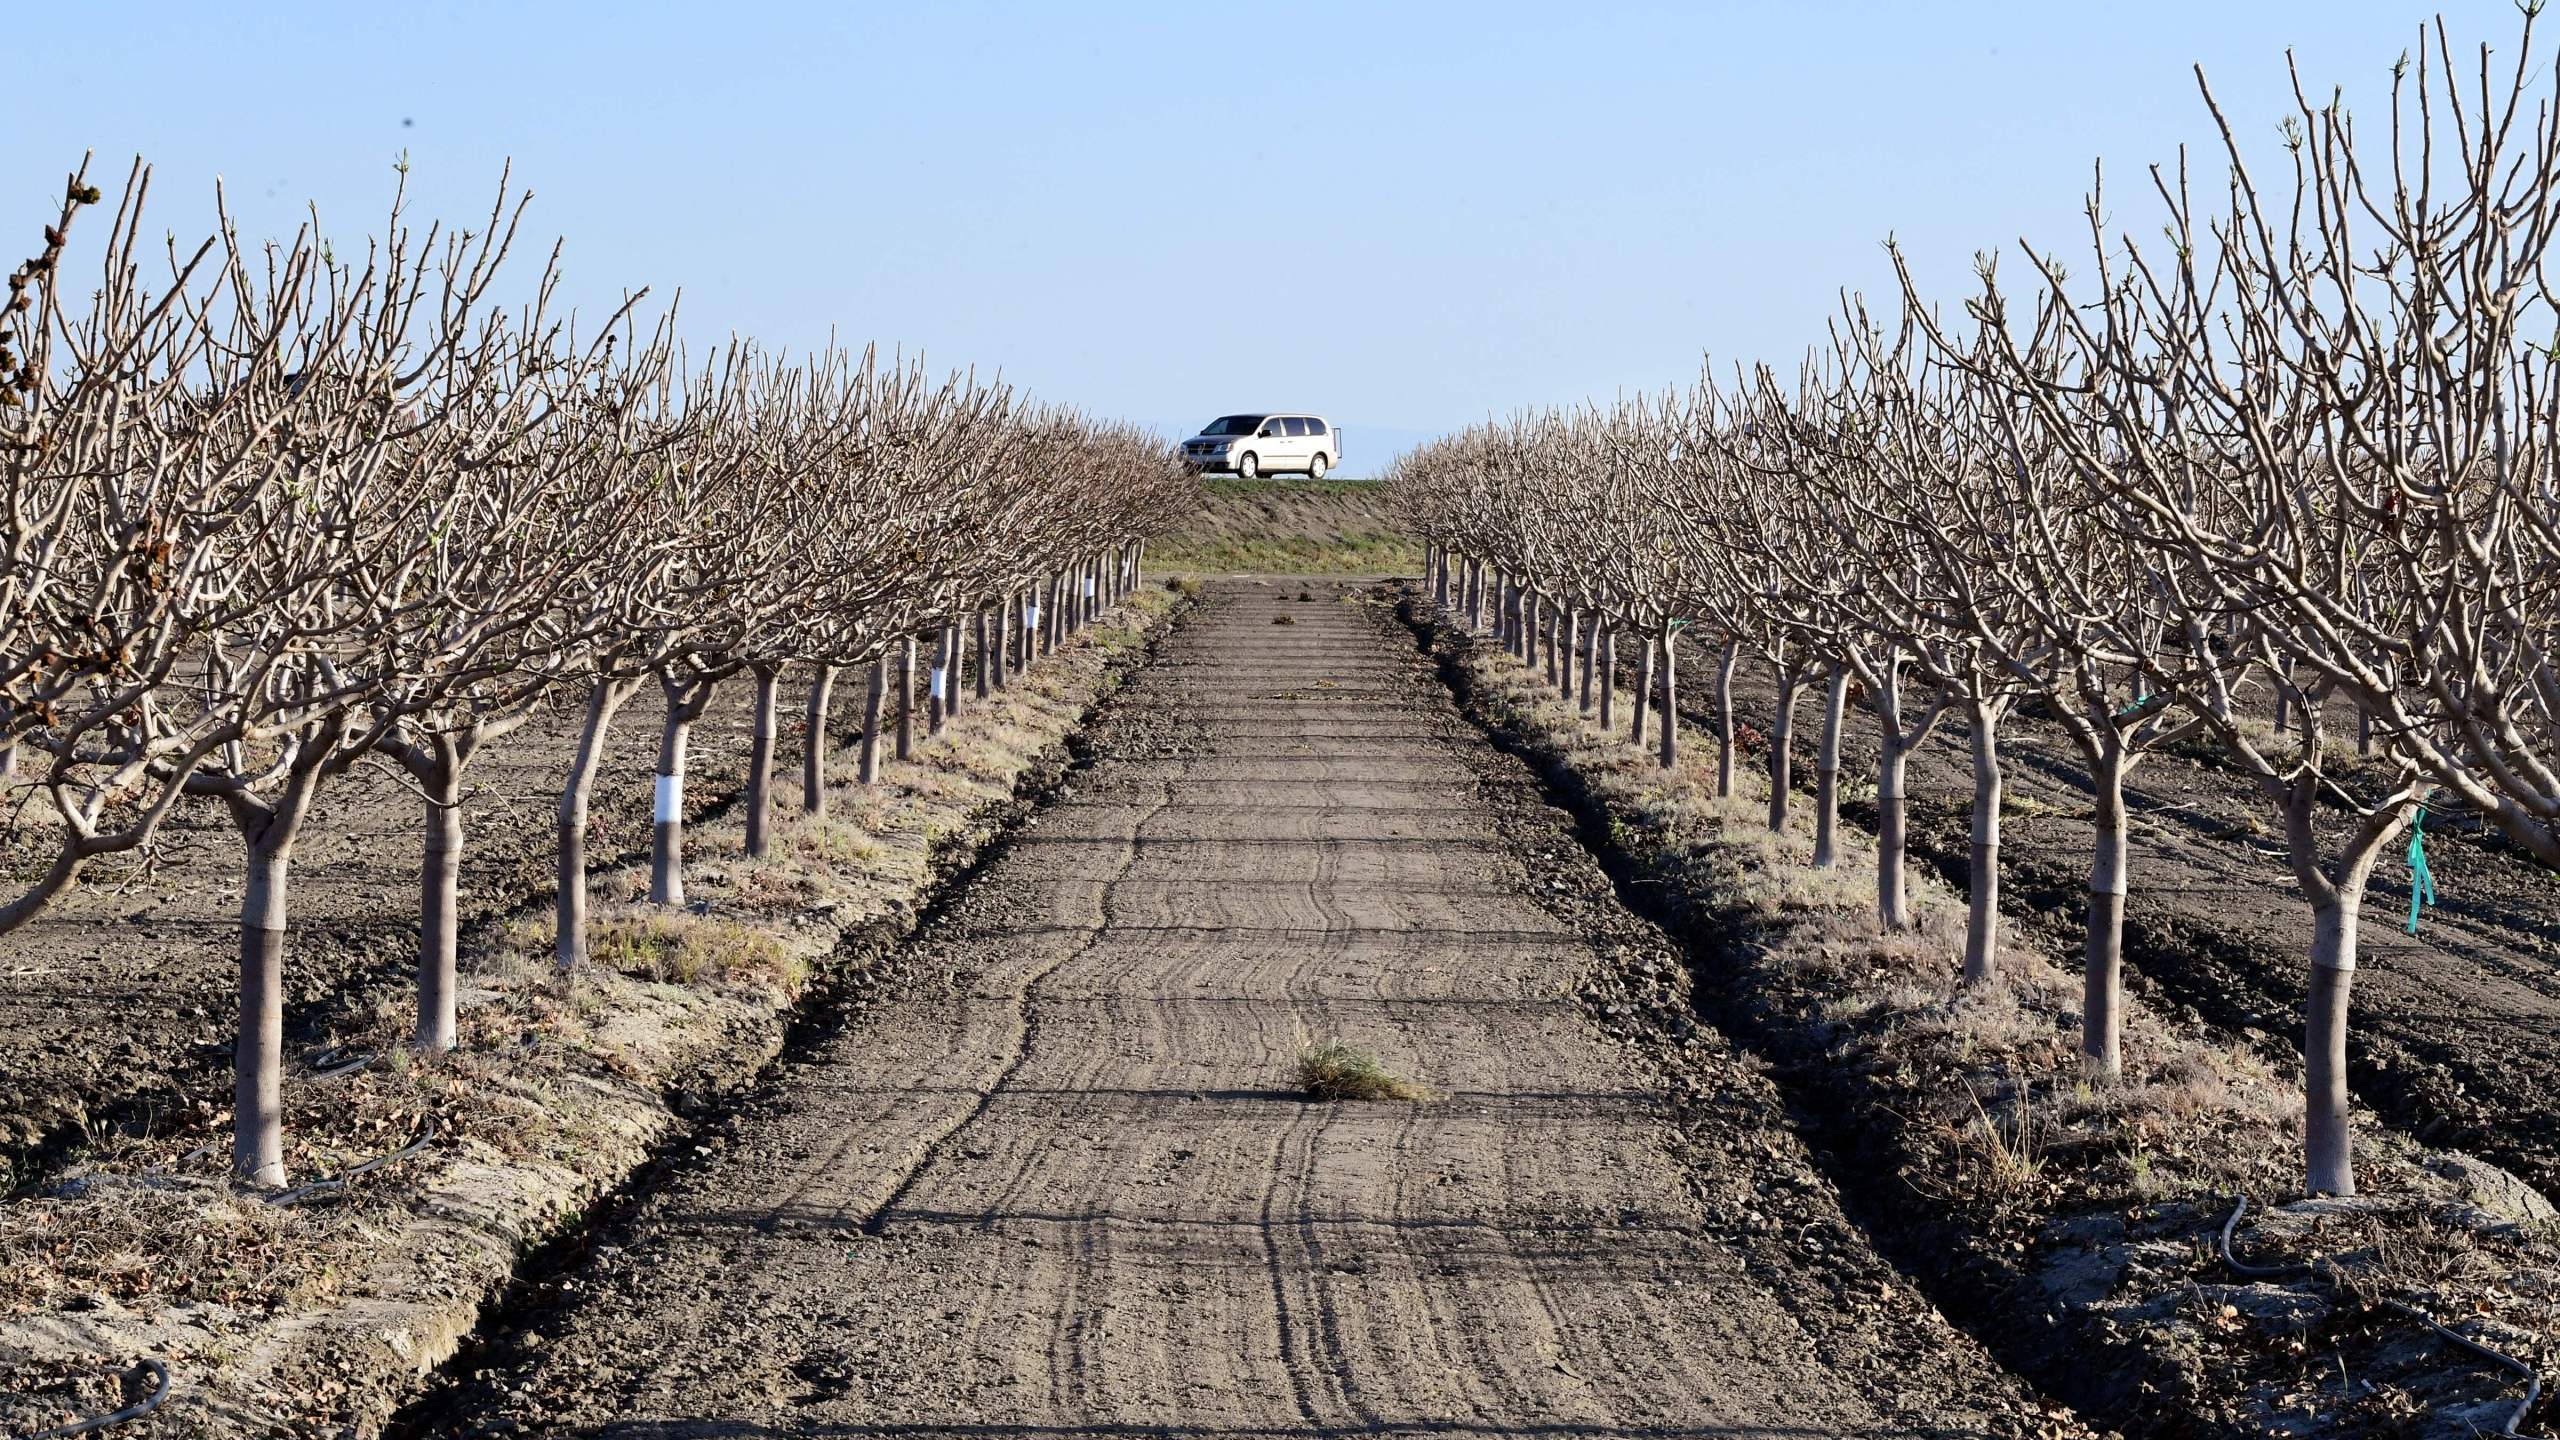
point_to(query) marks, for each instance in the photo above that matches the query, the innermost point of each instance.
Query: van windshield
(1234, 425)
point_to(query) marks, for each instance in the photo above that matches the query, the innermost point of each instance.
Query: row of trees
(275, 510)
(2297, 455)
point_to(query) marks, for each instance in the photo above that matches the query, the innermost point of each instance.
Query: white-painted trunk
(440, 901)
(257, 1071)
(569, 901)
(2102, 950)
(1826, 771)
(1982, 894)
(1726, 660)
(813, 749)
(2328, 1141)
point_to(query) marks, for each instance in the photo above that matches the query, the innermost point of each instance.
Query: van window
(1296, 425)
(1314, 426)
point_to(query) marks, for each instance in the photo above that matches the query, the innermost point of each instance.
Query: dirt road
(1066, 1185)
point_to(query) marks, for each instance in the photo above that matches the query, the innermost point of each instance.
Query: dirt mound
(1289, 527)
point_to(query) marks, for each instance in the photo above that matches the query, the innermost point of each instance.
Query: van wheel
(1315, 468)
(1248, 467)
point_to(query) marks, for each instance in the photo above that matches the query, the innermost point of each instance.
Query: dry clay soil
(1063, 1181)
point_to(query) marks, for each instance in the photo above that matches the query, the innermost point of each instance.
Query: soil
(1064, 1181)
(2456, 1035)
(318, 1319)
(2091, 1270)
(120, 1000)
(1288, 527)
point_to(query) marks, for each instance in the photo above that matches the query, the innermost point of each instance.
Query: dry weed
(1336, 1071)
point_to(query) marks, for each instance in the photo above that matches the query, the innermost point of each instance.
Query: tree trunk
(1982, 888)
(1826, 771)
(257, 1069)
(1590, 641)
(994, 660)
(1670, 754)
(937, 682)
(2327, 1140)
(440, 897)
(1608, 676)
(907, 699)
(569, 903)
(986, 657)
(1571, 622)
(1782, 759)
(813, 751)
(1640, 699)
(1893, 895)
(768, 678)
(686, 700)
(1529, 603)
(873, 700)
(2102, 951)
(1475, 596)
(1725, 662)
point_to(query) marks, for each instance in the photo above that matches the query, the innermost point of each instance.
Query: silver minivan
(1259, 444)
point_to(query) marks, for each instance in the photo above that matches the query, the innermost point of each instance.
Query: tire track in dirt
(1025, 1033)
(1063, 1183)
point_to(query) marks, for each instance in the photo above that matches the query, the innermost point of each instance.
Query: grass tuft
(685, 950)
(1336, 1071)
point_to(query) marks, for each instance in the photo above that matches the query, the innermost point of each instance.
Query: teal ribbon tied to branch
(2422, 882)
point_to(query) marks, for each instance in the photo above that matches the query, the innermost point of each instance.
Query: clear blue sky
(1406, 217)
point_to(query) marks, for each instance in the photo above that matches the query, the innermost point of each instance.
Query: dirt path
(1068, 1187)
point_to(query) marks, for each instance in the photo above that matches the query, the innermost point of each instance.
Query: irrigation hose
(300, 1193)
(2532, 1381)
(338, 1060)
(160, 1391)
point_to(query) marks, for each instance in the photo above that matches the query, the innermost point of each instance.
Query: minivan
(1258, 444)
